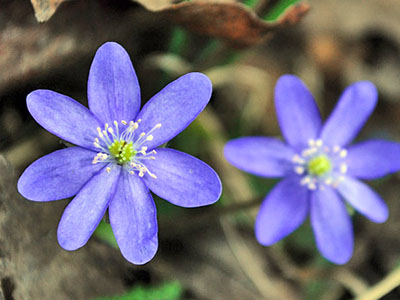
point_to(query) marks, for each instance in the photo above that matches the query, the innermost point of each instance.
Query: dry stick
(269, 289)
(237, 185)
(391, 281)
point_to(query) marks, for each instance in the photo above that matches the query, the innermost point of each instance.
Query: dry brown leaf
(231, 21)
(44, 9)
(154, 5)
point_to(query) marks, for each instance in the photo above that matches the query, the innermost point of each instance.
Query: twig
(391, 281)
(268, 288)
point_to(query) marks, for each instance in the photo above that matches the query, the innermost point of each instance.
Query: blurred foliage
(167, 291)
(279, 9)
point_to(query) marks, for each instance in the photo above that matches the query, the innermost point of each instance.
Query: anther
(343, 153)
(299, 170)
(149, 138)
(108, 169)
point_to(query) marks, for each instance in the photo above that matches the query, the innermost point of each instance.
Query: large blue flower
(116, 161)
(319, 167)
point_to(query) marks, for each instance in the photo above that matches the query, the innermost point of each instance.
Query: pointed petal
(331, 225)
(297, 112)
(283, 211)
(364, 199)
(85, 211)
(58, 175)
(260, 156)
(183, 179)
(113, 88)
(373, 159)
(63, 117)
(133, 219)
(175, 107)
(352, 111)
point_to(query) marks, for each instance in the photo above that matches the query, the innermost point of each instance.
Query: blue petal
(175, 107)
(63, 117)
(283, 211)
(373, 159)
(332, 225)
(85, 211)
(364, 199)
(133, 219)
(352, 111)
(260, 156)
(113, 88)
(58, 175)
(297, 112)
(182, 179)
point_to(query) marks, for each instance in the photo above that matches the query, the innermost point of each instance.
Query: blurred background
(243, 46)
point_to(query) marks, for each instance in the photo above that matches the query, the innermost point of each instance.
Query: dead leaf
(226, 19)
(44, 9)
(155, 5)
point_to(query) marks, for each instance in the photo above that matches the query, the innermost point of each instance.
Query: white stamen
(299, 170)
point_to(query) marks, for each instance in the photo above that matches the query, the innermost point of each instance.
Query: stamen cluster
(120, 145)
(321, 165)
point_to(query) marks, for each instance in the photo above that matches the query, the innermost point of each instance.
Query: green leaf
(167, 291)
(279, 9)
(104, 232)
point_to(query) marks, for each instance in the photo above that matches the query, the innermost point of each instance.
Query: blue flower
(116, 161)
(319, 167)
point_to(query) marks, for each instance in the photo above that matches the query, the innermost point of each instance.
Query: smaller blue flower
(319, 167)
(116, 161)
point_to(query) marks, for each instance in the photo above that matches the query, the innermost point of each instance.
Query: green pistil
(319, 165)
(122, 151)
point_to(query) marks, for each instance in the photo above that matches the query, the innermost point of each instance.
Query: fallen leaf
(155, 5)
(226, 19)
(44, 9)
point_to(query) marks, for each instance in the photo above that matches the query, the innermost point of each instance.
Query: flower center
(120, 144)
(122, 151)
(319, 165)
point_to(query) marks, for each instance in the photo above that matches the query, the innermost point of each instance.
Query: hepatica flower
(116, 160)
(321, 170)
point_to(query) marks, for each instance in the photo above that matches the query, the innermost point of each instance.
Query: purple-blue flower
(321, 170)
(116, 161)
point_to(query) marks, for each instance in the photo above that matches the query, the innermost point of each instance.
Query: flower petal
(63, 117)
(283, 211)
(183, 179)
(373, 159)
(113, 88)
(364, 199)
(297, 112)
(133, 219)
(353, 109)
(331, 225)
(58, 175)
(260, 156)
(85, 211)
(175, 107)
